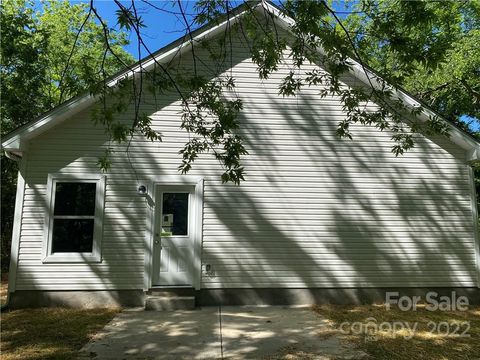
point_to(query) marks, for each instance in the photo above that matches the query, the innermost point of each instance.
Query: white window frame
(75, 257)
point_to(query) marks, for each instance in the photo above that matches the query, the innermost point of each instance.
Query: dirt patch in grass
(292, 352)
(3, 292)
(295, 352)
(394, 334)
(50, 333)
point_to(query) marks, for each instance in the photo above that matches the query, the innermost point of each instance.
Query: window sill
(73, 258)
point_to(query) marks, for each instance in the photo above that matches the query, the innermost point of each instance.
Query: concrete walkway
(218, 333)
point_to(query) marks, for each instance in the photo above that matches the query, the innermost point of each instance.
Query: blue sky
(161, 27)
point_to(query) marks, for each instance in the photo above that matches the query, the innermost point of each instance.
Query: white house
(317, 219)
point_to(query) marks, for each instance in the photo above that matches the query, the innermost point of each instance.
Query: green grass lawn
(424, 344)
(49, 333)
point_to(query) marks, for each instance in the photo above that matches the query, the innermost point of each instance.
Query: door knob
(157, 242)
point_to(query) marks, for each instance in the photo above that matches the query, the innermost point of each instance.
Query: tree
(430, 48)
(45, 60)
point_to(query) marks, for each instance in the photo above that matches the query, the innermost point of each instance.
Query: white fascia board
(16, 141)
(456, 135)
(287, 21)
(168, 55)
(368, 78)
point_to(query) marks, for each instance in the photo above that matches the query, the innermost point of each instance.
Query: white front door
(173, 237)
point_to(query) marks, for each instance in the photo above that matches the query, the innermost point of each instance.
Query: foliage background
(37, 40)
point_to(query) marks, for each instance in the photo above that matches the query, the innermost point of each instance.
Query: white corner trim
(149, 238)
(96, 254)
(198, 235)
(17, 225)
(475, 223)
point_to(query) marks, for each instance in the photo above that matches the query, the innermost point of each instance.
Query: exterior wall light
(142, 190)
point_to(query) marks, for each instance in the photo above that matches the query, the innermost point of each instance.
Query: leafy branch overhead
(378, 34)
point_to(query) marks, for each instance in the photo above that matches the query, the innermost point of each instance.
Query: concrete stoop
(170, 298)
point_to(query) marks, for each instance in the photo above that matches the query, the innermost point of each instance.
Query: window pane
(175, 214)
(72, 235)
(75, 198)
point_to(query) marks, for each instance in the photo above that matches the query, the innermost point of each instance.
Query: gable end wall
(314, 211)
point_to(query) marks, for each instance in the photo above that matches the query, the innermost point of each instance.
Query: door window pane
(175, 214)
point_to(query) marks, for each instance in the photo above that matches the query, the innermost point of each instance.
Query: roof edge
(15, 140)
(368, 75)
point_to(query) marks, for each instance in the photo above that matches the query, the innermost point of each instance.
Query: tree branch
(77, 36)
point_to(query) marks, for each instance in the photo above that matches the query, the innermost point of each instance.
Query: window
(73, 217)
(74, 224)
(174, 214)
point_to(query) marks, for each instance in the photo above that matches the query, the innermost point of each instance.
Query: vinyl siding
(314, 211)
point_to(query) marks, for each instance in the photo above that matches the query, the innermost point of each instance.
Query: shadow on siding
(314, 212)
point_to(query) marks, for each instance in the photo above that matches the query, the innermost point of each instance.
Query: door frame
(197, 226)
